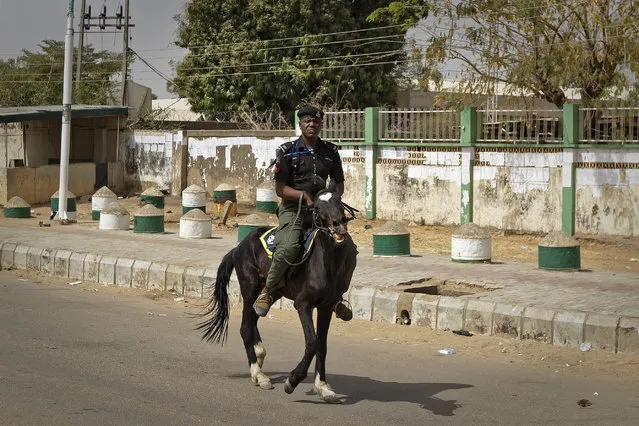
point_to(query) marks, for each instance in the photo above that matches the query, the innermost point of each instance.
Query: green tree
(36, 78)
(274, 55)
(536, 47)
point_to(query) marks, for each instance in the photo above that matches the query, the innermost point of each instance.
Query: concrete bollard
(17, 208)
(102, 198)
(115, 217)
(559, 251)
(71, 204)
(153, 196)
(391, 239)
(193, 197)
(149, 219)
(195, 224)
(266, 199)
(251, 222)
(471, 243)
(221, 195)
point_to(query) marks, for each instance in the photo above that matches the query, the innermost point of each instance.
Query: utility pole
(125, 53)
(122, 21)
(78, 68)
(66, 117)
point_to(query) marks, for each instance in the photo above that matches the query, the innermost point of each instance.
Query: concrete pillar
(180, 161)
(371, 135)
(569, 171)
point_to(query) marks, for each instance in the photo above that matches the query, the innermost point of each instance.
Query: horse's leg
(322, 388)
(301, 371)
(253, 345)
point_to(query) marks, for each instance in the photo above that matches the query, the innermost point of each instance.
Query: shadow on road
(354, 389)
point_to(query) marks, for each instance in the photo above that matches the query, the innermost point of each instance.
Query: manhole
(438, 287)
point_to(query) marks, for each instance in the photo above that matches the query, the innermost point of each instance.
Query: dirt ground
(529, 354)
(600, 252)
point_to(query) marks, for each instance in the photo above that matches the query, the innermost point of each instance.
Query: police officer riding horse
(302, 168)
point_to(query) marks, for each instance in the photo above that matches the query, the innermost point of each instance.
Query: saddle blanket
(268, 241)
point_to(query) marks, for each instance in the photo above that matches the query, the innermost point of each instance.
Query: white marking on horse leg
(325, 391)
(258, 378)
(260, 353)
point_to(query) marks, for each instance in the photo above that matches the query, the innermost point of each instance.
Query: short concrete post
(102, 198)
(559, 251)
(149, 219)
(153, 196)
(250, 223)
(17, 208)
(71, 204)
(391, 239)
(115, 217)
(193, 197)
(221, 195)
(471, 243)
(195, 224)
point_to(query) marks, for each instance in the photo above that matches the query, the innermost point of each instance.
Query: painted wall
(38, 184)
(515, 188)
(11, 147)
(148, 160)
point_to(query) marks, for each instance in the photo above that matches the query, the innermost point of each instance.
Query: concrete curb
(559, 327)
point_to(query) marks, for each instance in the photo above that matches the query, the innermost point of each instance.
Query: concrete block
(61, 263)
(601, 331)
(47, 261)
(76, 266)
(385, 306)
(537, 324)
(157, 276)
(33, 258)
(6, 257)
(628, 341)
(507, 320)
(568, 329)
(106, 272)
(140, 273)
(424, 311)
(479, 317)
(405, 303)
(124, 272)
(20, 257)
(450, 313)
(175, 278)
(361, 299)
(193, 284)
(91, 267)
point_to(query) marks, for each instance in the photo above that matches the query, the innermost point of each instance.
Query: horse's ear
(332, 186)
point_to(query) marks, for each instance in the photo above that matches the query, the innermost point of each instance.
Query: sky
(25, 23)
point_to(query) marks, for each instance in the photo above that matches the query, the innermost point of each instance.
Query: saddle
(268, 241)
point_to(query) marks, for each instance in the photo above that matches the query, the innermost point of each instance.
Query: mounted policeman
(302, 168)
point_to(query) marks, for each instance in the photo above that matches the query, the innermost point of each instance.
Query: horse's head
(328, 213)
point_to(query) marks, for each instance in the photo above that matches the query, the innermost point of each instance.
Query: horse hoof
(332, 399)
(288, 387)
(266, 385)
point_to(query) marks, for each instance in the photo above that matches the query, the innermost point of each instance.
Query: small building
(30, 140)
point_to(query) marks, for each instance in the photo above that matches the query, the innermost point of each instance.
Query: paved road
(70, 355)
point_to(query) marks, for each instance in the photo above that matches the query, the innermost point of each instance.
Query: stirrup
(343, 312)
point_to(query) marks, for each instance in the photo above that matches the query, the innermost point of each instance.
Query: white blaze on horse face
(326, 197)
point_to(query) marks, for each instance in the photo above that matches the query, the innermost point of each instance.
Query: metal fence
(520, 126)
(419, 126)
(609, 125)
(344, 126)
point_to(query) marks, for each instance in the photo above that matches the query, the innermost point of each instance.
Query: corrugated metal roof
(53, 112)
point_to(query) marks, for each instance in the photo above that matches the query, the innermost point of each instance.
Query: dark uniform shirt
(307, 170)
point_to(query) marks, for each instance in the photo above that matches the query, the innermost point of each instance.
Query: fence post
(468, 139)
(371, 135)
(569, 171)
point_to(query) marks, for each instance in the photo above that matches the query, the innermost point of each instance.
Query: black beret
(310, 110)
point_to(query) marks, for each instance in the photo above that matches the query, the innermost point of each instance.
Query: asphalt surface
(73, 355)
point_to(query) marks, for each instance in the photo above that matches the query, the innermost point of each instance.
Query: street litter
(41, 224)
(448, 351)
(585, 346)
(463, 333)
(596, 393)
(179, 299)
(634, 259)
(75, 283)
(163, 315)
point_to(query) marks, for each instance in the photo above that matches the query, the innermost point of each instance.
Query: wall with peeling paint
(517, 189)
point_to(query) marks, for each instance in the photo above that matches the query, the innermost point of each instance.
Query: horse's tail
(216, 328)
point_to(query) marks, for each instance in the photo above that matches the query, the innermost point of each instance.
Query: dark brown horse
(318, 282)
